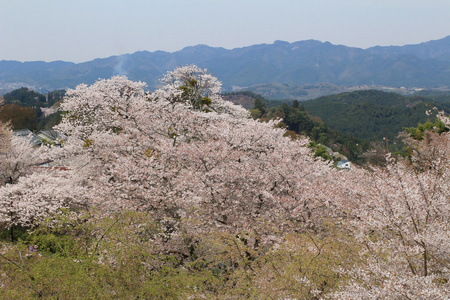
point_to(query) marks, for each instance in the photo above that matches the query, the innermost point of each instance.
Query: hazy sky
(81, 30)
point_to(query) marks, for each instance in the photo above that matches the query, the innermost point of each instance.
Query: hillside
(298, 92)
(247, 99)
(25, 108)
(371, 114)
(438, 96)
(299, 63)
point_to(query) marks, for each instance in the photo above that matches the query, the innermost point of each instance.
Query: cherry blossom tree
(5, 137)
(29, 191)
(402, 217)
(183, 153)
(17, 154)
(20, 157)
(190, 85)
(39, 194)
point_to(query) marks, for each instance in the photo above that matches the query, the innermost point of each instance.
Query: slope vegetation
(371, 114)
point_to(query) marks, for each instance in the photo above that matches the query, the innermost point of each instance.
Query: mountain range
(309, 62)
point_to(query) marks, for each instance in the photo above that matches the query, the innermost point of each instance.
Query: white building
(344, 164)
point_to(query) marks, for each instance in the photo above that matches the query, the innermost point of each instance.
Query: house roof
(343, 163)
(51, 135)
(22, 132)
(26, 133)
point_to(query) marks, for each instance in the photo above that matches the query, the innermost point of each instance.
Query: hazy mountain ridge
(437, 49)
(298, 63)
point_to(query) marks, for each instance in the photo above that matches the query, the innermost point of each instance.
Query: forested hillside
(438, 96)
(247, 99)
(300, 122)
(24, 108)
(372, 114)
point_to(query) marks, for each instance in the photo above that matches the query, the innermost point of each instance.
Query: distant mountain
(300, 63)
(438, 49)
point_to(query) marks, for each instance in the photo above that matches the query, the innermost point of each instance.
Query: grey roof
(51, 135)
(26, 133)
(22, 132)
(341, 163)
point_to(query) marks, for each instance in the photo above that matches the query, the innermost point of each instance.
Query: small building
(51, 136)
(344, 164)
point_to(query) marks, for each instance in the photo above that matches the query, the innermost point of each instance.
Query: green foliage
(308, 271)
(418, 132)
(320, 150)
(104, 257)
(260, 105)
(127, 256)
(442, 97)
(28, 97)
(191, 94)
(256, 113)
(25, 97)
(370, 115)
(88, 143)
(259, 109)
(19, 234)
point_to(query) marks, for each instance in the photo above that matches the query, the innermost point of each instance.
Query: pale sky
(82, 30)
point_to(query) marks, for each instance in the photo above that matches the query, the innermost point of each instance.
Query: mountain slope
(438, 49)
(371, 114)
